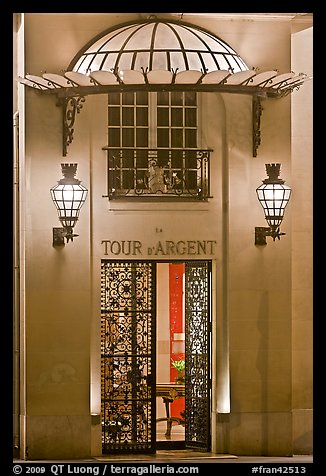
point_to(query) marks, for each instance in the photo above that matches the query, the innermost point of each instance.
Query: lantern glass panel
(274, 198)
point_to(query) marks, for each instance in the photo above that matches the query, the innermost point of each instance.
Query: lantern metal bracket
(257, 110)
(59, 235)
(70, 107)
(262, 231)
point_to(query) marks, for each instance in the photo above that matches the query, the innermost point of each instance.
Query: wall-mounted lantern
(273, 196)
(68, 197)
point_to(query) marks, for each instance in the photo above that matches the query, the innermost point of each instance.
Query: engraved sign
(160, 248)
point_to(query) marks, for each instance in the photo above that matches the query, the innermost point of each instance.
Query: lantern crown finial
(273, 172)
(69, 170)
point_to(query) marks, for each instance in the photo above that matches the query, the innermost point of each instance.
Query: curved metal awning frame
(72, 84)
(71, 87)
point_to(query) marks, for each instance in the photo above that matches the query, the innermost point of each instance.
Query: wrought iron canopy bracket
(72, 96)
(70, 107)
(257, 110)
(72, 99)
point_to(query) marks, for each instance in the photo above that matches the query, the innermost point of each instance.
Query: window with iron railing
(152, 146)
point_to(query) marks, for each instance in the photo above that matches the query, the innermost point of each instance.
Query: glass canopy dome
(155, 44)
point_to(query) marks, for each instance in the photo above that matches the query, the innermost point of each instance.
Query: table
(170, 392)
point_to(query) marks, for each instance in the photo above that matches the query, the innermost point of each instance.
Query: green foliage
(179, 365)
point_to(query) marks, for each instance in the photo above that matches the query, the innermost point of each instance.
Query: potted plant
(179, 365)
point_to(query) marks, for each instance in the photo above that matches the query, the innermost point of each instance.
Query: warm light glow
(68, 196)
(273, 196)
(68, 200)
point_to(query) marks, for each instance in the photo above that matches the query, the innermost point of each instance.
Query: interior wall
(162, 331)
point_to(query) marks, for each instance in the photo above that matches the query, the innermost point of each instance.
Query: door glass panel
(198, 335)
(128, 356)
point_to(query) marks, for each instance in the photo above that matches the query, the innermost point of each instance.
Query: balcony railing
(158, 173)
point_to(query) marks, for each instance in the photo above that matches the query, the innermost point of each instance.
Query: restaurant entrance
(155, 317)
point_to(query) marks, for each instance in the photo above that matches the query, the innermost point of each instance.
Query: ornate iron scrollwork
(70, 107)
(198, 335)
(148, 173)
(128, 357)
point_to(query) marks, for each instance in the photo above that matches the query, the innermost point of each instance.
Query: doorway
(154, 314)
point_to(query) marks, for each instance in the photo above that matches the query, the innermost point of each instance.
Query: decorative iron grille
(197, 372)
(174, 173)
(128, 357)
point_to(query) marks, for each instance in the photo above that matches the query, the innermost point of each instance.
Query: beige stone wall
(259, 290)
(302, 247)
(254, 336)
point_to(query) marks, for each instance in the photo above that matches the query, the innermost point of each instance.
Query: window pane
(114, 98)
(190, 99)
(142, 116)
(127, 98)
(162, 158)
(141, 137)
(176, 117)
(191, 179)
(162, 137)
(176, 138)
(127, 161)
(163, 98)
(191, 159)
(177, 161)
(162, 116)
(190, 117)
(127, 116)
(176, 98)
(142, 98)
(114, 116)
(142, 160)
(127, 137)
(114, 137)
(127, 179)
(191, 136)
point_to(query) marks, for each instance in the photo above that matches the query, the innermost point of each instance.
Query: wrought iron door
(128, 357)
(198, 349)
